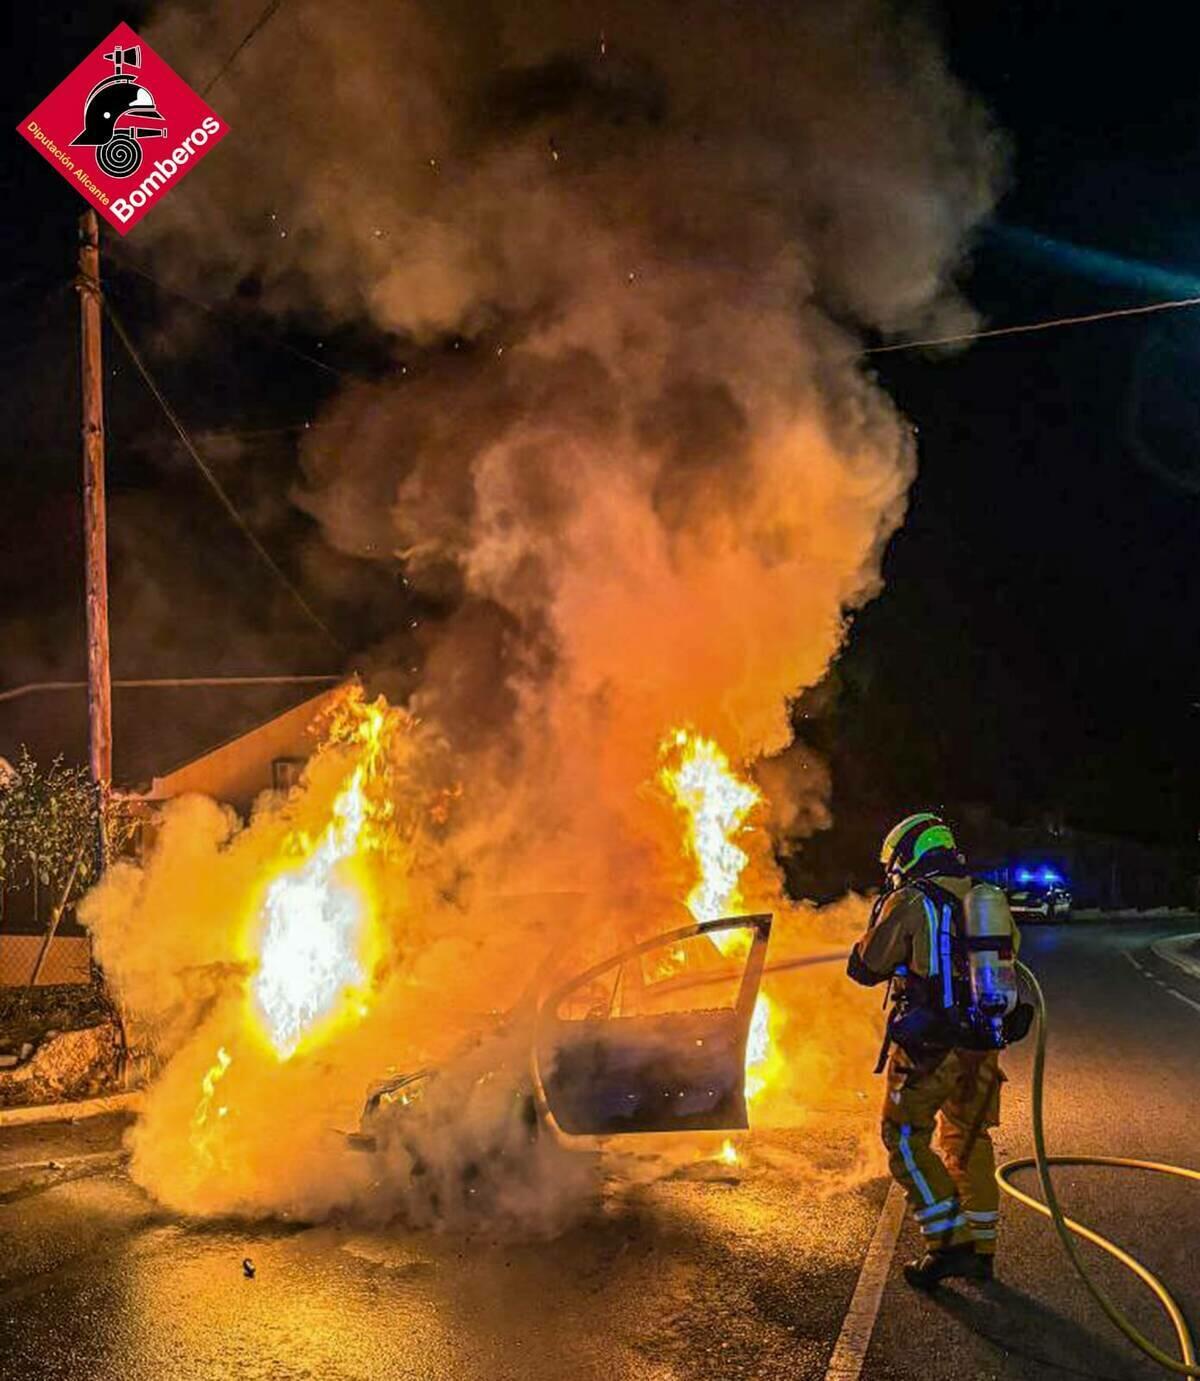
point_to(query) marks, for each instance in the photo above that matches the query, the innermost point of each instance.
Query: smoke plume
(628, 448)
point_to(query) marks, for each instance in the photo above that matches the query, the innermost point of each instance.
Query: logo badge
(123, 128)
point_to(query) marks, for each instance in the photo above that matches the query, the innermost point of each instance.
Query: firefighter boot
(961, 1261)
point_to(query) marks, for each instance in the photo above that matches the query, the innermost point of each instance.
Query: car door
(654, 1038)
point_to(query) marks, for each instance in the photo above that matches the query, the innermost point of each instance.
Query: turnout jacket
(902, 934)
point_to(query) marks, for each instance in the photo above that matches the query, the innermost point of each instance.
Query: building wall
(236, 773)
(241, 769)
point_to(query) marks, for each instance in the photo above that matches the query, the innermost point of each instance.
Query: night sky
(1034, 646)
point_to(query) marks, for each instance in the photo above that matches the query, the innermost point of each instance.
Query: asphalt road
(707, 1274)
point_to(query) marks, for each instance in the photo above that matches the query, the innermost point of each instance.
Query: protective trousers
(954, 1196)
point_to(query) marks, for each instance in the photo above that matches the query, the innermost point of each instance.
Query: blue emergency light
(1045, 875)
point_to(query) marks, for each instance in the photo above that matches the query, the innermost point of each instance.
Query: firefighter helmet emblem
(113, 116)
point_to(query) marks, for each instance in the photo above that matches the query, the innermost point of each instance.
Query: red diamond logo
(123, 129)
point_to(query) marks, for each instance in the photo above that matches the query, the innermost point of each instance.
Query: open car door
(654, 1039)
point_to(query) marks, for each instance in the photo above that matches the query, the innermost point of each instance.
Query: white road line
(850, 1350)
(1176, 951)
(1182, 998)
(1154, 978)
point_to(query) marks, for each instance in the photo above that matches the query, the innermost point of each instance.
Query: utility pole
(94, 523)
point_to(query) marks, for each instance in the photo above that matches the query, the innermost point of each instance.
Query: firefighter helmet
(915, 837)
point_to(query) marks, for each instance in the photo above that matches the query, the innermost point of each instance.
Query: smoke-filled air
(642, 496)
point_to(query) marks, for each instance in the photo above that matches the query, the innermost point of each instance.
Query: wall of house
(238, 771)
(269, 756)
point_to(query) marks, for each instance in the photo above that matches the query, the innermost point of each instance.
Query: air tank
(990, 934)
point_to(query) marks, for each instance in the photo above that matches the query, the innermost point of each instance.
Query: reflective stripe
(983, 1234)
(978, 1216)
(911, 1166)
(945, 1206)
(947, 1225)
(932, 922)
(947, 967)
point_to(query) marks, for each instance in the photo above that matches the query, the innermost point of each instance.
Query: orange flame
(201, 1131)
(313, 931)
(317, 920)
(715, 803)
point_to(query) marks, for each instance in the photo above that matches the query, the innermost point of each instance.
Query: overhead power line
(227, 314)
(214, 483)
(257, 433)
(251, 33)
(1022, 329)
(171, 682)
(1027, 327)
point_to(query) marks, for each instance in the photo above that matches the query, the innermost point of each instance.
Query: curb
(1092, 914)
(1181, 950)
(72, 1112)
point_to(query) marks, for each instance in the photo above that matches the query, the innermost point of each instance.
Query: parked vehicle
(1039, 896)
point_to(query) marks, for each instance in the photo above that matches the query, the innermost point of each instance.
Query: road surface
(711, 1274)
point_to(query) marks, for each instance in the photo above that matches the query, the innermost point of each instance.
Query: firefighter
(944, 1042)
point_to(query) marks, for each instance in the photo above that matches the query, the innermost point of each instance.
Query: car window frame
(743, 1008)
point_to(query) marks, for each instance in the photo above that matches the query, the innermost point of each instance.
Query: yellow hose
(1067, 1229)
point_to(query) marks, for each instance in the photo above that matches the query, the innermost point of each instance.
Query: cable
(251, 33)
(295, 428)
(1035, 326)
(1068, 1229)
(128, 266)
(170, 682)
(215, 484)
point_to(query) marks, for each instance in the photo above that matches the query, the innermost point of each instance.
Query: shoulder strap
(940, 896)
(944, 914)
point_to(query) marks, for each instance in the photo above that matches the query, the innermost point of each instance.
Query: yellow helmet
(914, 837)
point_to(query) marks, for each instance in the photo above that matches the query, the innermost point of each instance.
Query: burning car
(656, 1038)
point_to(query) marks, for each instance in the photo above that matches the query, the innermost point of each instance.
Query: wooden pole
(94, 526)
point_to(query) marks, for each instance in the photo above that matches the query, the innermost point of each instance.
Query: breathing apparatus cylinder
(989, 934)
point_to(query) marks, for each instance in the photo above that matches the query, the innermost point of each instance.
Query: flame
(316, 920)
(201, 1133)
(728, 1155)
(313, 932)
(715, 803)
(758, 1048)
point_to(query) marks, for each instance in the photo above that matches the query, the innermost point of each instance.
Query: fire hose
(1068, 1229)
